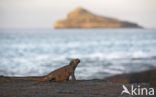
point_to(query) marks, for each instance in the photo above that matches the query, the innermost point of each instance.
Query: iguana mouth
(77, 60)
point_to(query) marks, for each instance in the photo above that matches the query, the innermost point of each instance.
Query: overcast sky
(43, 13)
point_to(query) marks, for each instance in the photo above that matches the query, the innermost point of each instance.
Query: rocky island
(82, 18)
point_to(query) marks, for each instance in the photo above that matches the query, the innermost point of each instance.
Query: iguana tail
(35, 79)
(40, 79)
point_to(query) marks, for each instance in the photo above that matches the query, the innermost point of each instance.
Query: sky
(43, 13)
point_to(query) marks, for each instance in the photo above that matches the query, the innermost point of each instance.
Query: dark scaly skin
(61, 74)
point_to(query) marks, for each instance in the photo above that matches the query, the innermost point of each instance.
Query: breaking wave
(102, 52)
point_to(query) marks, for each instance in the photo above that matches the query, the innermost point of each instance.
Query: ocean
(103, 52)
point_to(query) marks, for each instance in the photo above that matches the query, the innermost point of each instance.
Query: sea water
(103, 52)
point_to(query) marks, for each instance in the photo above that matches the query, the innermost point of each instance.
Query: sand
(80, 88)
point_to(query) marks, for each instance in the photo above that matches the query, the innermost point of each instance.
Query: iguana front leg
(73, 76)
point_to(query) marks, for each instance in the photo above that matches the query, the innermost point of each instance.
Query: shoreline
(79, 88)
(108, 87)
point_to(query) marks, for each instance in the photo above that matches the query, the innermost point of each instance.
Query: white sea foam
(102, 52)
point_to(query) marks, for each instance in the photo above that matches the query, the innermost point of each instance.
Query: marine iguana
(61, 74)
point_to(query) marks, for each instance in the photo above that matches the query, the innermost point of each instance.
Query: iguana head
(74, 62)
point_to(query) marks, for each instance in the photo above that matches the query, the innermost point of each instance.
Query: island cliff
(81, 18)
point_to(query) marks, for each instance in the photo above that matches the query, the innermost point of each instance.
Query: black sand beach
(80, 88)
